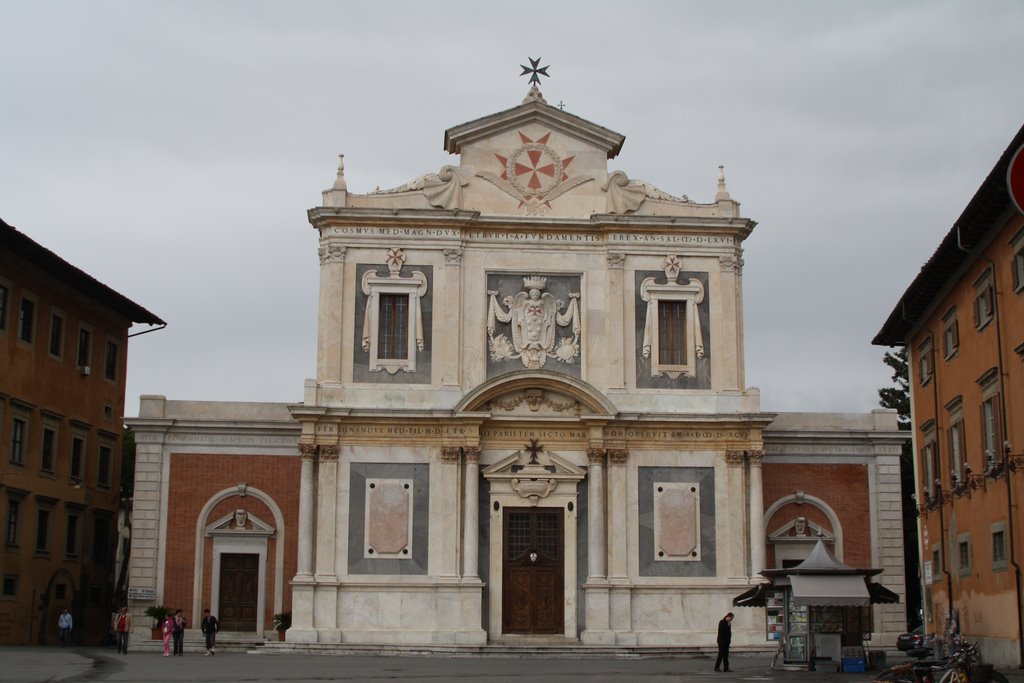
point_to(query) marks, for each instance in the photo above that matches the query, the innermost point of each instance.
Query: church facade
(529, 418)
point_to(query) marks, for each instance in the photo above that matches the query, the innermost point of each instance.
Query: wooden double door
(239, 591)
(533, 571)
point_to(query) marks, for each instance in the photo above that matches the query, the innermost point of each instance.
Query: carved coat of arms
(534, 174)
(534, 316)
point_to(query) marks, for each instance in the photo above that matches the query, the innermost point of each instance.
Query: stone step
(501, 650)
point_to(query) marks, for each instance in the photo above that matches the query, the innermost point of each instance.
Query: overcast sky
(171, 150)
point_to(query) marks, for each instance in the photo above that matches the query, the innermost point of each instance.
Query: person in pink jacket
(167, 628)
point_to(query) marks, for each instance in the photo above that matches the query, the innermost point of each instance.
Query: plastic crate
(854, 664)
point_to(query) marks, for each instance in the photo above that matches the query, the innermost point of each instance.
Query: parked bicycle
(964, 665)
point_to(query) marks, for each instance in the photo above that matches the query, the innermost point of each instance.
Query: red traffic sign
(1015, 179)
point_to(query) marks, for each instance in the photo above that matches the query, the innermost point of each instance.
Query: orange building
(63, 352)
(962, 323)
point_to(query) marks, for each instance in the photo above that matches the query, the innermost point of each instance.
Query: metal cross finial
(561, 105)
(535, 70)
(533, 448)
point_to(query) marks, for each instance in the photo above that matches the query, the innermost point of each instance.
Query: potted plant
(282, 622)
(158, 613)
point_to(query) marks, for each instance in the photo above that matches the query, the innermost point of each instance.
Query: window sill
(984, 323)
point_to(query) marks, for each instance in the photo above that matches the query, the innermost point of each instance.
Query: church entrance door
(533, 571)
(239, 592)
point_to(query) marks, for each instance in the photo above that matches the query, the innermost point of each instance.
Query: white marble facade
(534, 276)
(524, 459)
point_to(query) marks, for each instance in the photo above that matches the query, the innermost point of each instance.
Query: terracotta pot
(156, 632)
(280, 636)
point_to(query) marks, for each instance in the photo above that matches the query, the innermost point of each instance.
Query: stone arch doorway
(241, 552)
(539, 429)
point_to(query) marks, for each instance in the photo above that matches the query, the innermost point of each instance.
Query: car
(914, 639)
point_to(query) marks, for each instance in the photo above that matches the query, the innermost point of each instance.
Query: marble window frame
(414, 288)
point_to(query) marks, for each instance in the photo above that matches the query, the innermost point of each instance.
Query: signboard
(139, 593)
(928, 572)
(1015, 179)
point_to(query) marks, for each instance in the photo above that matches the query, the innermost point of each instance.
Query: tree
(898, 398)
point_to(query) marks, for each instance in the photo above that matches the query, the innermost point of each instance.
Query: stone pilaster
(332, 291)
(325, 613)
(307, 511)
(471, 530)
(615, 327)
(596, 517)
(449, 352)
(303, 585)
(757, 539)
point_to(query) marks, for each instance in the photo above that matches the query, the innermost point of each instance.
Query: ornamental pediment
(532, 160)
(239, 523)
(524, 465)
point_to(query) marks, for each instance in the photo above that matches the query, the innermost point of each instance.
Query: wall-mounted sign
(1015, 179)
(139, 593)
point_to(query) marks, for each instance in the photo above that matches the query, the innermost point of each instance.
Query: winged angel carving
(534, 316)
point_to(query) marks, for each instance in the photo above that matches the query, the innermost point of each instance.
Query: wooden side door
(239, 592)
(533, 571)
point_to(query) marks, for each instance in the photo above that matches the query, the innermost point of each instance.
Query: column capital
(617, 456)
(329, 452)
(308, 451)
(755, 458)
(616, 259)
(330, 253)
(596, 456)
(450, 454)
(472, 454)
(731, 263)
(734, 458)
(453, 256)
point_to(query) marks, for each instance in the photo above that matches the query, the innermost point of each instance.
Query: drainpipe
(1006, 449)
(938, 475)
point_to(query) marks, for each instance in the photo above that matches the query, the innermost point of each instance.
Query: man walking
(122, 627)
(64, 623)
(209, 628)
(724, 640)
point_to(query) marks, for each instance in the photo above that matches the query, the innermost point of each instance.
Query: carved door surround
(534, 475)
(529, 483)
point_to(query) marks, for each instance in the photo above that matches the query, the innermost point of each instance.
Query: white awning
(843, 589)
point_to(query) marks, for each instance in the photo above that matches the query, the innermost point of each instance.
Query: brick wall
(194, 480)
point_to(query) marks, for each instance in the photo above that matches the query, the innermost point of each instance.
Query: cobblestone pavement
(74, 665)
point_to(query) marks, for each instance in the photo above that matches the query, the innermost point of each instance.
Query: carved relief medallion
(534, 174)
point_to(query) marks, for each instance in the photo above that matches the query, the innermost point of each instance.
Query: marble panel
(389, 518)
(676, 521)
(415, 563)
(703, 478)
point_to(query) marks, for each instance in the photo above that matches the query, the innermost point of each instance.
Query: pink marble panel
(678, 521)
(389, 506)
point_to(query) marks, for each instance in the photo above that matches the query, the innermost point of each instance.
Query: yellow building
(962, 323)
(63, 350)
